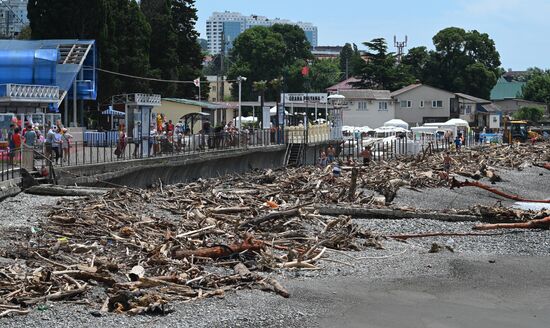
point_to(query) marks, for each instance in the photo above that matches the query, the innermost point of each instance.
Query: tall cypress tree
(163, 54)
(184, 18)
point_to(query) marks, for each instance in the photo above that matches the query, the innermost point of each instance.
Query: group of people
(57, 143)
(328, 156)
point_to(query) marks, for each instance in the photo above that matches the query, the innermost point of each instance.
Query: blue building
(40, 80)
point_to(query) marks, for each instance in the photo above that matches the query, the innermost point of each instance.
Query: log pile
(143, 249)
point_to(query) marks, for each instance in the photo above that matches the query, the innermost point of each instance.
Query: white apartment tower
(13, 17)
(228, 25)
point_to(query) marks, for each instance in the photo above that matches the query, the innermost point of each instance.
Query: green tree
(324, 73)
(163, 55)
(533, 114)
(537, 87)
(417, 61)
(259, 54)
(381, 71)
(463, 61)
(296, 44)
(25, 34)
(350, 61)
(189, 52)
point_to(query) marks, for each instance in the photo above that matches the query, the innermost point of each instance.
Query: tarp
(397, 123)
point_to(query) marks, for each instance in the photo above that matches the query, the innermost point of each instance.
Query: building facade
(366, 107)
(222, 28)
(417, 104)
(13, 18)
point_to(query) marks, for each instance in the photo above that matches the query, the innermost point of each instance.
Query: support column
(66, 112)
(75, 113)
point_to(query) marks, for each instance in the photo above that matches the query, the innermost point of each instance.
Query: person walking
(28, 148)
(331, 153)
(56, 144)
(367, 155)
(15, 145)
(66, 138)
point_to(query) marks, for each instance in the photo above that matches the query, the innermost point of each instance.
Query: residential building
(366, 107)
(13, 17)
(219, 88)
(506, 88)
(417, 104)
(222, 28)
(326, 52)
(348, 84)
(478, 112)
(510, 106)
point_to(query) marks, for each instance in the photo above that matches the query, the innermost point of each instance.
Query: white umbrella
(397, 123)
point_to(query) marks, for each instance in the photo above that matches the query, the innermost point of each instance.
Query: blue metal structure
(40, 64)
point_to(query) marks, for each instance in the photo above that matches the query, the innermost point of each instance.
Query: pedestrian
(367, 155)
(447, 161)
(48, 144)
(121, 144)
(458, 144)
(56, 144)
(15, 145)
(322, 163)
(66, 138)
(331, 152)
(28, 148)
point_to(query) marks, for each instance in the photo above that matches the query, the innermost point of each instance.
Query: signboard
(266, 117)
(302, 98)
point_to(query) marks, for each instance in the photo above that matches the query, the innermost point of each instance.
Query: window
(467, 109)
(361, 105)
(383, 105)
(437, 104)
(421, 103)
(406, 104)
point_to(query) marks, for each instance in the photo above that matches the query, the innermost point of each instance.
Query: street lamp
(240, 79)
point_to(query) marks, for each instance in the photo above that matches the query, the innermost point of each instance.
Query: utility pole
(400, 45)
(221, 90)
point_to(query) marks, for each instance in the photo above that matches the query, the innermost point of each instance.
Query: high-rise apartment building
(13, 17)
(228, 25)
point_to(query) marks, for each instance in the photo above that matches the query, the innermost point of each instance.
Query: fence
(106, 151)
(10, 164)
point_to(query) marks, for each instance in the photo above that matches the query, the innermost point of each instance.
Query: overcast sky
(520, 28)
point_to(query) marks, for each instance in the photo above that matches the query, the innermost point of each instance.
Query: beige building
(175, 108)
(366, 107)
(510, 106)
(417, 104)
(218, 87)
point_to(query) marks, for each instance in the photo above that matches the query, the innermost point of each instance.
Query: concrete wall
(9, 188)
(145, 172)
(417, 113)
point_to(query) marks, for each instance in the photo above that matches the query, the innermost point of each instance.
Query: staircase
(73, 53)
(295, 154)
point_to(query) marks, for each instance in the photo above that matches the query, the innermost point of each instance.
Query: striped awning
(113, 112)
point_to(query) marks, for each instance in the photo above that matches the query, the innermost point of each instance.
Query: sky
(519, 28)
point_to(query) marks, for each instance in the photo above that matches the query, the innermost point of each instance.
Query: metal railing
(10, 164)
(107, 151)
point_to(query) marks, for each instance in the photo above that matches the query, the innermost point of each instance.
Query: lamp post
(240, 79)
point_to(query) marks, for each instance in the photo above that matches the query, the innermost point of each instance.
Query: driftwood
(533, 224)
(458, 184)
(272, 216)
(214, 252)
(69, 191)
(441, 234)
(393, 214)
(353, 184)
(55, 296)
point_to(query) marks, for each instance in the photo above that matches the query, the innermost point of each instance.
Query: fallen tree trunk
(533, 224)
(70, 191)
(458, 184)
(353, 184)
(214, 252)
(442, 234)
(271, 216)
(394, 214)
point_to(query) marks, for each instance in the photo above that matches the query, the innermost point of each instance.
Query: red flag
(305, 71)
(197, 82)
